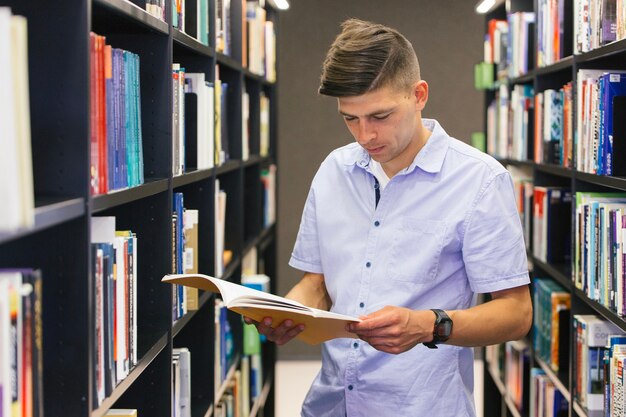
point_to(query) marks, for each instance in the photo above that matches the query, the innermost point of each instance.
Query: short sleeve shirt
(445, 228)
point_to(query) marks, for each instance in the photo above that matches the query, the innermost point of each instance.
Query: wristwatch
(442, 329)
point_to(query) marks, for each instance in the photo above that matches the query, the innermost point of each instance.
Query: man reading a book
(403, 228)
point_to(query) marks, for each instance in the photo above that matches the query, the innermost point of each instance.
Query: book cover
(614, 86)
(618, 137)
(319, 325)
(191, 254)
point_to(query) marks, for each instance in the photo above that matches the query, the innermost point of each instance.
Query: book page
(319, 325)
(230, 292)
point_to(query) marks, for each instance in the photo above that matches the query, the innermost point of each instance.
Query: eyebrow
(378, 112)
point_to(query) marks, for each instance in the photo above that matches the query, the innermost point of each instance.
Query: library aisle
(293, 379)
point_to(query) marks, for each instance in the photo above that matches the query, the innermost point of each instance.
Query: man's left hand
(395, 329)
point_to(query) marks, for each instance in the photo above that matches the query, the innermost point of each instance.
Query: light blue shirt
(446, 228)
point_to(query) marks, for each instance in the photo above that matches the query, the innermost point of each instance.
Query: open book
(319, 325)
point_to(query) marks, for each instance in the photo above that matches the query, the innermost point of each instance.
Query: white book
(220, 228)
(99, 326)
(196, 86)
(10, 348)
(320, 325)
(264, 125)
(133, 294)
(184, 382)
(122, 412)
(19, 32)
(121, 318)
(245, 126)
(209, 128)
(17, 210)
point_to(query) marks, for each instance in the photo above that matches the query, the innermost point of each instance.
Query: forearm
(311, 291)
(508, 316)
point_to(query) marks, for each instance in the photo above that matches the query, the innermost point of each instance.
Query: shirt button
(355, 345)
(350, 387)
(368, 264)
(361, 305)
(376, 223)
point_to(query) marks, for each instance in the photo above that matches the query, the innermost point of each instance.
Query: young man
(403, 228)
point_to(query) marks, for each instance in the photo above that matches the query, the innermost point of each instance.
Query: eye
(349, 118)
(381, 116)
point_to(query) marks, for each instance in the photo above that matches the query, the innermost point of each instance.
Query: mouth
(374, 151)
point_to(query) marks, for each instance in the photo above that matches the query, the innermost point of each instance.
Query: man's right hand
(280, 335)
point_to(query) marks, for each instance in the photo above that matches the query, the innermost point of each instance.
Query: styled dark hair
(366, 56)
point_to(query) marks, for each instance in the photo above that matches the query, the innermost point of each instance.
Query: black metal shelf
(228, 166)
(256, 77)
(267, 233)
(58, 243)
(563, 64)
(192, 177)
(503, 392)
(49, 214)
(507, 161)
(555, 75)
(617, 183)
(228, 62)
(134, 374)
(560, 272)
(529, 77)
(559, 380)
(261, 399)
(191, 44)
(128, 195)
(601, 309)
(182, 322)
(606, 51)
(132, 13)
(254, 160)
(554, 169)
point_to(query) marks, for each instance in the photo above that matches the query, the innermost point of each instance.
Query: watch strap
(440, 316)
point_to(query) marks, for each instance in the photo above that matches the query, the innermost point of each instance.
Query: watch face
(444, 329)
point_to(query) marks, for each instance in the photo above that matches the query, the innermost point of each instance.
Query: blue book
(615, 86)
(110, 114)
(131, 122)
(179, 245)
(126, 167)
(139, 138)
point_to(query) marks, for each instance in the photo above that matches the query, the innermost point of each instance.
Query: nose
(365, 132)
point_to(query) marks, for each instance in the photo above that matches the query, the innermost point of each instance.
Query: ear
(420, 89)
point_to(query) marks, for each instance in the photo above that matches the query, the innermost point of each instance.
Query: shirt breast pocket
(416, 250)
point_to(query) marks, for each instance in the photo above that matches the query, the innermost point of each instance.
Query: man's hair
(366, 56)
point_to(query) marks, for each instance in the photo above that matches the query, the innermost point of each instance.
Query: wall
(444, 35)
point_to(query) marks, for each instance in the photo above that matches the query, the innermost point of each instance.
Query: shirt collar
(429, 159)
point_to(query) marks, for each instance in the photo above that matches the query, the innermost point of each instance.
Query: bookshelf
(550, 68)
(58, 243)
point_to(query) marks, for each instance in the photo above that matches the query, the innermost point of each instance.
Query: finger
(291, 334)
(282, 329)
(265, 327)
(277, 334)
(369, 327)
(372, 322)
(248, 320)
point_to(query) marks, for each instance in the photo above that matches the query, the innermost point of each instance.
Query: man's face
(385, 122)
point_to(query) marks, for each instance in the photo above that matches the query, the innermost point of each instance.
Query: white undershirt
(379, 173)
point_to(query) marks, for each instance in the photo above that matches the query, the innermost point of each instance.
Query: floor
(289, 395)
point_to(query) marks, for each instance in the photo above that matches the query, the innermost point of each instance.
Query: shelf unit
(59, 242)
(610, 56)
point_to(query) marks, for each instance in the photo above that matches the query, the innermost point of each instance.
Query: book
(122, 412)
(618, 138)
(319, 325)
(15, 142)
